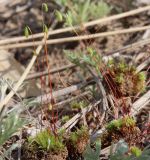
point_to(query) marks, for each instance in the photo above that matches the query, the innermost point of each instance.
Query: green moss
(81, 11)
(78, 105)
(74, 136)
(65, 119)
(126, 121)
(141, 76)
(75, 105)
(46, 140)
(115, 124)
(132, 69)
(119, 78)
(136, 151)
(128, 80)
(110, 62)
(122, 66)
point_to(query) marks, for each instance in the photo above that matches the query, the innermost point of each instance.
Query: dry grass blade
(88, 24)
(101, 88)
(76, 38)
(57, 94)
(39, 74)
(24, 75)
(140, 103)
(76, 118)
(61, 103)
(47, 98)
(143, 65)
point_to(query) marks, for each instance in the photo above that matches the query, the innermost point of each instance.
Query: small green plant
(65, 119)
(141, 76)
(123, 152)
(123, 128)
(122, 66)
(61, 2)
(79, 11)
(91, 58)
(121, 71)
(49, 145)
(119, 78)
(79, 139)
(117, 71)
(136, 151)
(92, 153)
(46, 140)
(78, 105)
(115, 124)
(75, 135)
(9, 125)
(10, 122)
(75, 105)
(120, 151)
(126, 121)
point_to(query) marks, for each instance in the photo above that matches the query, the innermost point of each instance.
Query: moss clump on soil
(79, 139)
(129, 81)
(45, 145)
(123, 128)
(126, 121)
(77, 142)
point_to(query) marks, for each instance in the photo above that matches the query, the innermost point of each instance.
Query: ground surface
(15, 15)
